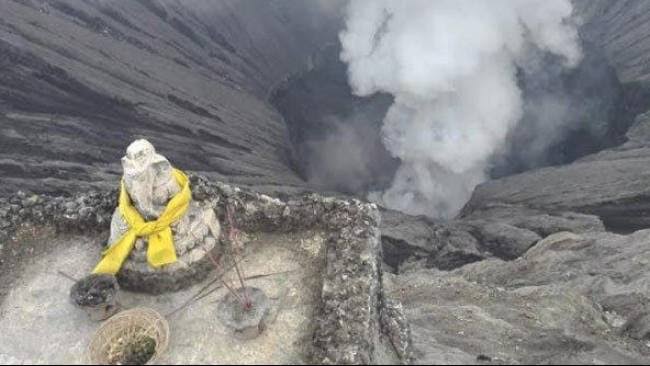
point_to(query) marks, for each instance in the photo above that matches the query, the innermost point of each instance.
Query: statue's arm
(118, 227)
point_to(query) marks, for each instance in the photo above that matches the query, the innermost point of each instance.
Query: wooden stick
(200, 295)
(61, 273)
(216, 264)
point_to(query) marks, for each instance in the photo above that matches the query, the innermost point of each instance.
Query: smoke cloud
(350, 157)
(451, 67)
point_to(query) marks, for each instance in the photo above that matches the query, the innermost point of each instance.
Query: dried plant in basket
(133, 337)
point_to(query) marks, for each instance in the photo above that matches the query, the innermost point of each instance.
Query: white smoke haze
(350, 156)
(451, 67)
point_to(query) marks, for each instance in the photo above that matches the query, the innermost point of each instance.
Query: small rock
(85, 212)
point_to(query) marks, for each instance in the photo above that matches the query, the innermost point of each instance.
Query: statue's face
(138, 158)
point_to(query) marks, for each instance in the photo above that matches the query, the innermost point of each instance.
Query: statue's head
(140, 155)
(146, 177)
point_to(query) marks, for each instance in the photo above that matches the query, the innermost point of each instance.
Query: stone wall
(347, 323)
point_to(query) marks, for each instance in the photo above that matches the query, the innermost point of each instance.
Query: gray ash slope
(79, 80)
(621, 28)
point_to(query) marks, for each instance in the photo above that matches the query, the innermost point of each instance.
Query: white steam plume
(451, 67)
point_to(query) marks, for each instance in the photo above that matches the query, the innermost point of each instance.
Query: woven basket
(113, 333)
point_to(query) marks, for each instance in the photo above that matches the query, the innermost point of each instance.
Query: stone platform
(338, 323)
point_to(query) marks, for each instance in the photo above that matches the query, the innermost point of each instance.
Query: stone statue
(149, 181)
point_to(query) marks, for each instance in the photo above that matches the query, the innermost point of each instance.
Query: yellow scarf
(160, 249)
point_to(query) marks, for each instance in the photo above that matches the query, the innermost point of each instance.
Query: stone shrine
(149, 182)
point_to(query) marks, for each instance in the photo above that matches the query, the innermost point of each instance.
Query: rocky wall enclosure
(346, 322)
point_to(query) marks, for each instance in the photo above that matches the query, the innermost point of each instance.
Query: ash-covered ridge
(612, 184)
(79, 80)
(621, 29)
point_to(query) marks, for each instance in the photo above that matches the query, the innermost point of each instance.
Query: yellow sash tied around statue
(160, 249)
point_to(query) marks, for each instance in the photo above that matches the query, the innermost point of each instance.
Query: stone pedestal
(150, 183)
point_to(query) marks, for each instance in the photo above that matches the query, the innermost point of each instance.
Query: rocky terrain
(548, 266)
